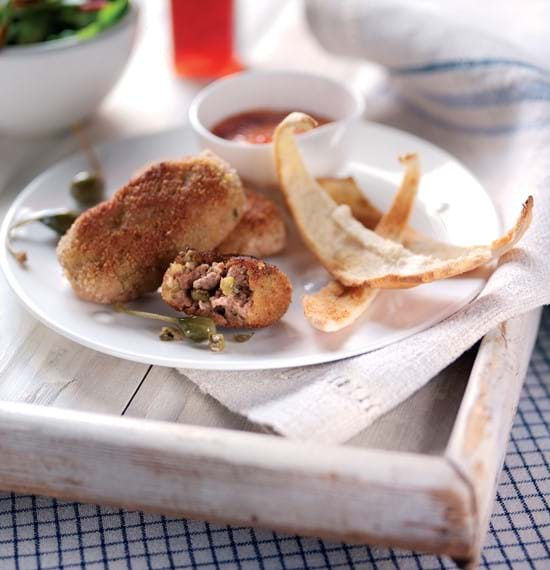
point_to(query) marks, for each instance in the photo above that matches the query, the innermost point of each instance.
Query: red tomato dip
(256, 126)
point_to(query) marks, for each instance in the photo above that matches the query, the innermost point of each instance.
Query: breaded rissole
(261, 231)
(234, 291)
(120, 249)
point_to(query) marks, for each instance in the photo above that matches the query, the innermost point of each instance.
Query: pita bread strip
(311, 207)
(351, 253)
(346, 191)
(414, 269)
(335, 307)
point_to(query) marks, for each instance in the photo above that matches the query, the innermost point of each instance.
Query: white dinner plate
(452, 206)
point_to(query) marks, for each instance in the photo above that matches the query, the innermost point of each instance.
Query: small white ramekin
(325, 148)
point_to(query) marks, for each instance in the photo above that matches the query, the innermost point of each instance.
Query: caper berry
(57, 219)
(87, 188)
(197, 329)
(59, 223)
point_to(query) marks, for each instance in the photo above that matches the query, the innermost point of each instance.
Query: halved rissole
(235, 291)
(120, 249)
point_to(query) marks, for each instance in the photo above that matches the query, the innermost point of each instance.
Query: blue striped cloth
(46, 534)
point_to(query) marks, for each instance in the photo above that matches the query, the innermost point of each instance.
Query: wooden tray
(81, 425)
(423, 477)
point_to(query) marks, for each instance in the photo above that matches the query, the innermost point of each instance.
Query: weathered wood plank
(337, 492)
(479, 439)
(422, 423)
(167, 395)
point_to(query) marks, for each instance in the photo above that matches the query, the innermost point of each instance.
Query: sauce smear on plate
(256, 126)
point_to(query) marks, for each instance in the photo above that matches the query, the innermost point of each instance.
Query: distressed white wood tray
(81, 425)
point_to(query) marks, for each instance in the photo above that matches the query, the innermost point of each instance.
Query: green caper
(87, 188)
(197, 329)
(199, 295)
(59, 223)
(216, 342)
(227, 285)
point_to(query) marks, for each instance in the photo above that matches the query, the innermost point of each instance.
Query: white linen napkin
(488, 104)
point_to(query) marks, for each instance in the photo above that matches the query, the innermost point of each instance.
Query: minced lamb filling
(218, 290)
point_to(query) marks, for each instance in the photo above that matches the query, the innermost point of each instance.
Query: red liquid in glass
(203, 35)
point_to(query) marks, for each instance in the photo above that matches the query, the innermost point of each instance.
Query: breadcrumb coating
(261, 231)
(120, 249)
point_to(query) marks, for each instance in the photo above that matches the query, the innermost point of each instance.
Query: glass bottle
(204, 38)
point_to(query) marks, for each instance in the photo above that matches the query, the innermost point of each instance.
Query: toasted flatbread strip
(313, 209)
(346, 191)
(335, 306)
(410, 269)
(353, 254)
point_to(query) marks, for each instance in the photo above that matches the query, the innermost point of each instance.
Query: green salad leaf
(24, 22)
(106, 17)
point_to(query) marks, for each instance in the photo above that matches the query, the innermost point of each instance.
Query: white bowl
(325, 148)
(50, 86)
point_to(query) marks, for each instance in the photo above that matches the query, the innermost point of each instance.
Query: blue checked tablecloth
(36, 532)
